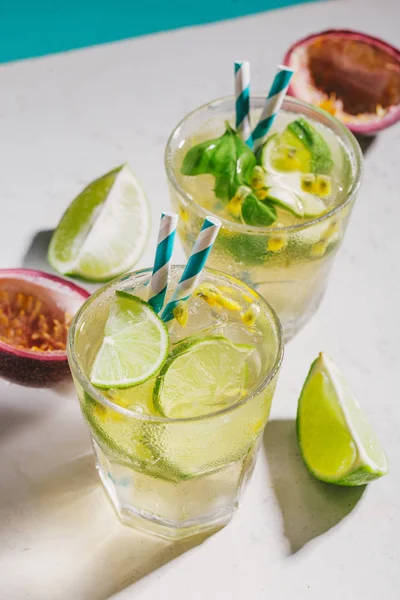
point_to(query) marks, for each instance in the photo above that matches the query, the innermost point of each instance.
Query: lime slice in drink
(313, 206)
(105, 229)
(134, 346)
(300, 147)
(312, 140)
(286, 199)
(202, 377)
(285, 153)
(285, 191)
(335, 439)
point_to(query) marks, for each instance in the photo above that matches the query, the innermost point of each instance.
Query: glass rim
(255, 230)
(95, 393)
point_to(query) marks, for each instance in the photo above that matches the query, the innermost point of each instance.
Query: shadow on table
(36, 255)
(119, 555)
(309, 507)
(14, 419)
(71, 520)
(366, 142)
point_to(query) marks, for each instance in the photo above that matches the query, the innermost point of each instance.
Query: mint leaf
(258, 213)
(321, 157)
(228, 158)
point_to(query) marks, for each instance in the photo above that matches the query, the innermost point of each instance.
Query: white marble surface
(66, 119)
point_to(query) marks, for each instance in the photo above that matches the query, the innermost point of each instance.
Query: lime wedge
(312, 140)
(335, 439)
(105, 229)
(134, 346)
(286, 199)
(202, 377)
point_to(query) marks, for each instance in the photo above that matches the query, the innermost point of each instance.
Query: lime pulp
(134, 347)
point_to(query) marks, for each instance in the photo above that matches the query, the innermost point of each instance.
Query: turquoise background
(36, 27)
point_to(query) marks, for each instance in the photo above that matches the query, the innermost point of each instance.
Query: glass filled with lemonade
(175, 410)
(284, 208)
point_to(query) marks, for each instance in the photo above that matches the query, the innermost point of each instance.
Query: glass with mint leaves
(284, 208)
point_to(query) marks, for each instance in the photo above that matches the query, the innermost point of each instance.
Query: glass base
(174, 509)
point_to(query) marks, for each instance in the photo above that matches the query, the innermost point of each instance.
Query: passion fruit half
(350, 74)
(35, 312)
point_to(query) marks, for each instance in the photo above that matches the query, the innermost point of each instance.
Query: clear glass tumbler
(288, 265)
(176, 477)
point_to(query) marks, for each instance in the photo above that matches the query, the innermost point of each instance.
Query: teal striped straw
(191, 273)
(272, 105)
(242, 91)
(165, 246)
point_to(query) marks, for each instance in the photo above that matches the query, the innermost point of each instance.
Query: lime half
(202, 377)
(335, 439)
(134, 346)
(105, 229)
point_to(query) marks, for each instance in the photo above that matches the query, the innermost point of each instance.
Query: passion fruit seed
(209, 293)
(323, 185)
(183, 213)
(308, 183)
(214, 297)
(319, 248)
(250, 316)
(25, 323)
(258, 178)
(276, 243)
(181, 313)
(228, 303)
(262, 193)
(234, 206)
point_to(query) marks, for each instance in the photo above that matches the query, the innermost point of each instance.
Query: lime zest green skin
(182, 348)
(123, 294)
(357, 474)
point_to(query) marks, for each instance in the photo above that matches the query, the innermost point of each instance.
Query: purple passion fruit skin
(35, 311)
(352, 75)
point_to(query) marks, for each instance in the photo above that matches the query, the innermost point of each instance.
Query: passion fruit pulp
(350, 74)
(35, 312)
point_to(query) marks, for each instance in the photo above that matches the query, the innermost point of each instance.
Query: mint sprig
(231, 162)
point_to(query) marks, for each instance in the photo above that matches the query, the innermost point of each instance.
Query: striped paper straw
(272, 105)
(191, 274)
(165, 246)
(242, 91)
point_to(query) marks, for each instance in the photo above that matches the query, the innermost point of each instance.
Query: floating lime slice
(285, 153)
(335, 439)
(105, 229)
(202, 377)
(312, 140)
(300, 147)
(313, 206)
(134, 346)
(285, 191)
(286, 199)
